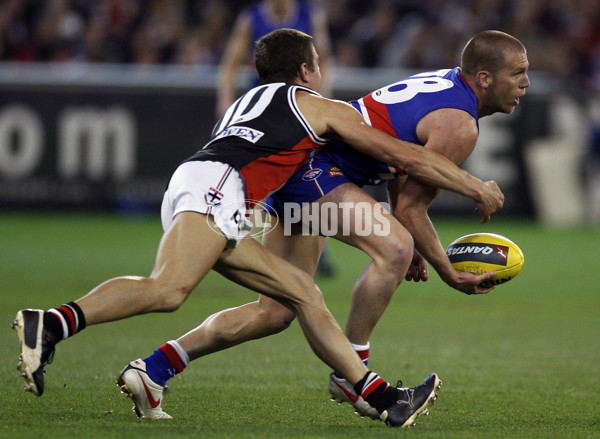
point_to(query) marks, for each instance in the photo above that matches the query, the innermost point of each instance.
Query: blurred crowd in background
(562, 36)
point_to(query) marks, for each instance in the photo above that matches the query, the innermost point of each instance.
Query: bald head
(487, 50)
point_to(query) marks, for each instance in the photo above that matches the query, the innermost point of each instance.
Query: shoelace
(50, 357)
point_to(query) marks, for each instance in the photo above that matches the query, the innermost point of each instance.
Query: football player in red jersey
(269, 132)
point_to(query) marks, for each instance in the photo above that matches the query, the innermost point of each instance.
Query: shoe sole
(424, 408)
(129, 394)
(23, 366)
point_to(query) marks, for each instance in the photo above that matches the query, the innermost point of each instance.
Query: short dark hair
(485, 51)
(280, 53)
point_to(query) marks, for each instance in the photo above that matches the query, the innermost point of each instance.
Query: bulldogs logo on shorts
(213, 197)
(312, 174)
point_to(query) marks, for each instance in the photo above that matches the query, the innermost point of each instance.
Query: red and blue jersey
(396, 109)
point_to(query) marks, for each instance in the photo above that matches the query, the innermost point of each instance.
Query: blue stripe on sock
(159, 367)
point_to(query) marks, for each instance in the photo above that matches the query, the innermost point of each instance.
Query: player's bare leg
(390, 247)
(391, 253)
(261, 318)
(234, 326)
(187, 251)
(388, 244)
(364, 224)
(174, 276)
(396, 406)
(250, 264)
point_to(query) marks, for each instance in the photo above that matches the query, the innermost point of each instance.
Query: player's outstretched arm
(410, 201)
(340, 119)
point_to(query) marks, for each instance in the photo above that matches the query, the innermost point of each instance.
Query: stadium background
(99, 100)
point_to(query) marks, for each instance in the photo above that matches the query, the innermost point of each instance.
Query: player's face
(509, 83)
(314, 77)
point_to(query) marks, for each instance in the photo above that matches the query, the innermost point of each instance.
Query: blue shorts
(315, 179)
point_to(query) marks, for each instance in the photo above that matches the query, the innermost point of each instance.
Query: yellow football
(481, 252)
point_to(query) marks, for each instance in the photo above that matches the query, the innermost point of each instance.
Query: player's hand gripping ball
(481, 252)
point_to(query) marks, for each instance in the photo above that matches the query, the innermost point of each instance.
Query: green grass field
(520, 362)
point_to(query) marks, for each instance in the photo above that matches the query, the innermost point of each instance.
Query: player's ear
(483, 78)
(303, 71)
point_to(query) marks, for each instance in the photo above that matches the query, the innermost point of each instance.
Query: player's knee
(302, 290)
(170, 298)
(397, 252)
(277, 319)
(312, 293)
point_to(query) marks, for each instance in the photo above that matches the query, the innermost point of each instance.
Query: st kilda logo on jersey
(479, 252)
(213, 197)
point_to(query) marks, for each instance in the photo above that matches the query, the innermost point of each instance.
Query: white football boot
(342, 390)
(145, 393)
